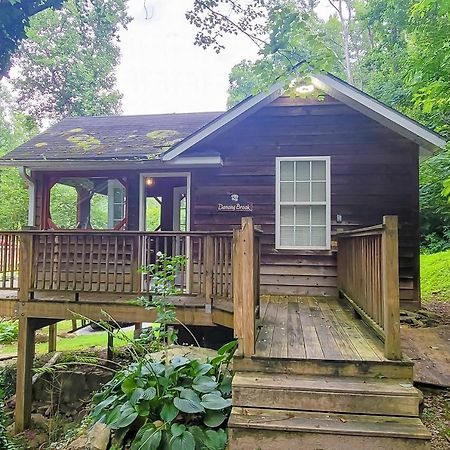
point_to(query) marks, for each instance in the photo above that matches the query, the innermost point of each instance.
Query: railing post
(26, 266)
(236, 260)
(249, 289)
(209, 271)
(390, 287)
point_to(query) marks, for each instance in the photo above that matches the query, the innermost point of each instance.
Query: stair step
(402, 370)
(269, 429)
(326, 393)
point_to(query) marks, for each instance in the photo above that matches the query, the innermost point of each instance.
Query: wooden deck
(315, 328)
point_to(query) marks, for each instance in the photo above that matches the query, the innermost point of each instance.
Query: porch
(354, 339)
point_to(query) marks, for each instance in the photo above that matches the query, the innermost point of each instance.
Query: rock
(39, 421)
(80, 443)
(99, 437)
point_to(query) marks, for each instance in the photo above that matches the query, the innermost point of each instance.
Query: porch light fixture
(305, 89)
(150, 182)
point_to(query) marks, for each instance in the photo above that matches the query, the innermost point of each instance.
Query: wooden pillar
(166, 207)
(249, 290)
(237, 290)
(52, 335)
(133, 198)
(25, 267)
(24, 373)
(209, 271)
(137, 330)
(84, 197)
(390, 288)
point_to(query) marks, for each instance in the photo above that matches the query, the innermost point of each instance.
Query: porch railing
(109, 261)
(368, 277)
(9, 260)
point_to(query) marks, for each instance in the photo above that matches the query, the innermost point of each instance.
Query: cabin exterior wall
(374, 172)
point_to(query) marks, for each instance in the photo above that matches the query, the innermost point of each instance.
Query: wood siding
(374, 172)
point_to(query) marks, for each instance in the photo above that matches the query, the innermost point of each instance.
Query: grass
(97, 339)
(435, 276)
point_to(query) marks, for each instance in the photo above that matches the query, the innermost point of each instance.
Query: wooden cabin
(298, 215)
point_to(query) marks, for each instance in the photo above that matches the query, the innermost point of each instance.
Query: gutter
(31, 195)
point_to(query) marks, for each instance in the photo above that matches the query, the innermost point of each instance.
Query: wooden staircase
(305, 404)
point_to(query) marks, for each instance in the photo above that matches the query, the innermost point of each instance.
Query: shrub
(9, 331)
(182, 404)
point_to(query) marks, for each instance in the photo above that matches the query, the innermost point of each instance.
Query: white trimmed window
(303, 203)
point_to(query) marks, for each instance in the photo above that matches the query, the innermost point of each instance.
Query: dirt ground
(429, 348)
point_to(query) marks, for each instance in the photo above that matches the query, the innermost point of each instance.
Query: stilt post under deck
(25, 358)
(25, 347)
(52, 335)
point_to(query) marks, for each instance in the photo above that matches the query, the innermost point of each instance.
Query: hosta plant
(182, 405)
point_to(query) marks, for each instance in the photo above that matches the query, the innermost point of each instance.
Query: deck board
(315, 328)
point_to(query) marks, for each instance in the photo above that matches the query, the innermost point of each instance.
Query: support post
(25, 268)
(249, 289)
(52, 335)
(237, 290)
(390, 288)
(137, 330)
(25, 358)
(209, 271)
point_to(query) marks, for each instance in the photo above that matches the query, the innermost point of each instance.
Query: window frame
(278, 203)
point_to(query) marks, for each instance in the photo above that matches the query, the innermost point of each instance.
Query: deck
(319, 328)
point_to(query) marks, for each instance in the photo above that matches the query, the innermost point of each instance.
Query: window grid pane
(303, 203)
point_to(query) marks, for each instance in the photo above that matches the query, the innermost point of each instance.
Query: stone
(80, 443)
(99, 437)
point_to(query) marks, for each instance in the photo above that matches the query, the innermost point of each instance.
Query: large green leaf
(215, 439)
(185, 441)
(177, 429)
(128, 385)
(179, 361)
(148, 438)
(169, 412)
(214, 418)
(136, 395)
(188, 406)
(126, 417)
(204, 384)
(213, 401)
(203, 369)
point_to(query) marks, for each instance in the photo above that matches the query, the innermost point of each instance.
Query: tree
(14, 17)
(68, 58)
(15, 128)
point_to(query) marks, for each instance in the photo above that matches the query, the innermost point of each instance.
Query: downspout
(31, 195)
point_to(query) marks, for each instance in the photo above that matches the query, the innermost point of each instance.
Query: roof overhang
(427, 140)
(95, 164)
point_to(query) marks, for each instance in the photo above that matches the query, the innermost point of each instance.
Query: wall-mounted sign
(234, 203)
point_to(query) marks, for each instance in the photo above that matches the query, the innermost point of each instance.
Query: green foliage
(9, 331)
(7, 387)
(435, 276)
(180, 405)
(68, 58)
(162, 274)
(14, 15)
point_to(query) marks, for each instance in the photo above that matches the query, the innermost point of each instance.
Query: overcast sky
(161, 71)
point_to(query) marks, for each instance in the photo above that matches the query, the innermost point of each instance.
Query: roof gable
(342, 91)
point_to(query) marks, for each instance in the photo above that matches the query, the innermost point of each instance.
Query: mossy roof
(111, 137)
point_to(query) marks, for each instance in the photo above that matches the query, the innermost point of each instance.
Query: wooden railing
(87, 261)
(9, 260)
(368, 277)
(246, 273)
